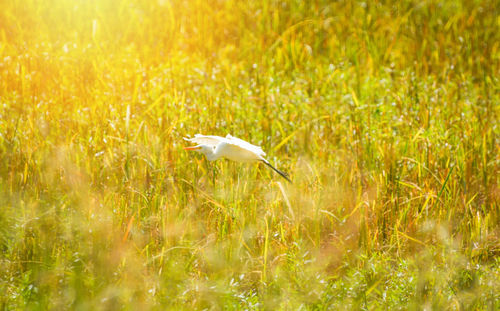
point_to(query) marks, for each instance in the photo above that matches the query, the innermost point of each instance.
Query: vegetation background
(385, 114)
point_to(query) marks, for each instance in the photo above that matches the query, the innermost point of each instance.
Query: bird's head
(205, 149)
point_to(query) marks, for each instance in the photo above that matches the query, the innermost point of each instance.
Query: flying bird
(232, 148)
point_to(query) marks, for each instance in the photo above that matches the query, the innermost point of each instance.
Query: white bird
(232, 148)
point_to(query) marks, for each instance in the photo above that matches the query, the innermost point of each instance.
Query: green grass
(384, 113)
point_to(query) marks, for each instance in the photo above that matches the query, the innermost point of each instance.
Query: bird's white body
(229, 147)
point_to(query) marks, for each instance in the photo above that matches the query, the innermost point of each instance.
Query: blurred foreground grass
(385, 114)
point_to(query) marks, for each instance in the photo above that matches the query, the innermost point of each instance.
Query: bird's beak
(192, 148)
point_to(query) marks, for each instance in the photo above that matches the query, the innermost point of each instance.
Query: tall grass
(384, 113)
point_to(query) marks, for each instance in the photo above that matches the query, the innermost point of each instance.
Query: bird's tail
(283, 174)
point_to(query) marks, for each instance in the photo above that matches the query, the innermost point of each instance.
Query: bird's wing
(245, 145)
(206, 140)
(236, 152)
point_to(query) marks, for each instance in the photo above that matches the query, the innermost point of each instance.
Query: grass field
(384, 113)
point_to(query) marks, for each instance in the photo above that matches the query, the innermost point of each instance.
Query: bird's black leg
(282, 174)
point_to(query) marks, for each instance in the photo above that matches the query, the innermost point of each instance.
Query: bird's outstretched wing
(206, 140)
(246, 145)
